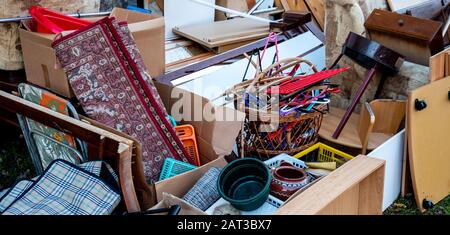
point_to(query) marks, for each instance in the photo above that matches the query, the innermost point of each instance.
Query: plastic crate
(174, 167)
(324, 153)
(274, 201)
(187, 137)
(276, 161)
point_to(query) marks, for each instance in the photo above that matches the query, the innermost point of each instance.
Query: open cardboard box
(39, 56)
(354, 188)
(169, 194)
(215, 136)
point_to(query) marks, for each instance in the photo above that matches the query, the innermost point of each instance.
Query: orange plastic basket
(187, 136)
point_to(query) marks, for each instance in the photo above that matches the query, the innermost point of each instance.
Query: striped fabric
(66, 189)
(3, 192)
(13, 193)
(96, 167)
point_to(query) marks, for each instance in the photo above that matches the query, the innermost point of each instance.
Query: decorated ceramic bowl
(286, 180)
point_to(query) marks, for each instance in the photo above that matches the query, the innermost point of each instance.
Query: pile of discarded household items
(227, 110)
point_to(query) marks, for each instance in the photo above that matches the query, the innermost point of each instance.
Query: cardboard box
(169, 200)
(215, 137)
(40, 60)
(179, 185)
(354, 188)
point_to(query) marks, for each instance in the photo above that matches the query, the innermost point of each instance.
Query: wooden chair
(102, 145)
(377, 122)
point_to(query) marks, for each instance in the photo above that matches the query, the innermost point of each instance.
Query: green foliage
(407, 206)
(15, 161)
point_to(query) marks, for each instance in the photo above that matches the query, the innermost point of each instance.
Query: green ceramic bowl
(245, 183)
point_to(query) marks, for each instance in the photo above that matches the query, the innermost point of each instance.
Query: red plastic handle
(54, 22)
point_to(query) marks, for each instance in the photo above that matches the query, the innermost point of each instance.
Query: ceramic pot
(286, 180)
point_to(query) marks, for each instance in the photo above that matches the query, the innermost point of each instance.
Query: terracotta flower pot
(286, 180)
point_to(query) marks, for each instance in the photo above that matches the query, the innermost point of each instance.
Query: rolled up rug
(109, 78)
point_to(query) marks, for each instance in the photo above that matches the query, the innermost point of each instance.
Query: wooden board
(184, 12)
(226, 32)
(356, 188)
(349, 136)
(406, 186)
(392, 151)
(295, 5)
(317, 8)
(428, 142)
(440, 65)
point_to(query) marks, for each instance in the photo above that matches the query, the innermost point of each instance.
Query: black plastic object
(173, 210)
(420, 104)
(368, 53)
(245, 183)
(427, 204)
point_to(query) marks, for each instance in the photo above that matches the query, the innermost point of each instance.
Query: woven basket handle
(283, 65)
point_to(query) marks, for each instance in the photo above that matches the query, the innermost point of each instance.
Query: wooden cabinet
(416, 39)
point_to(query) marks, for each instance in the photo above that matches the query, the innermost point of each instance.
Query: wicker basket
(291, 133)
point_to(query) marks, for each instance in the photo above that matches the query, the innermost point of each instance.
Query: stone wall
(10, 51)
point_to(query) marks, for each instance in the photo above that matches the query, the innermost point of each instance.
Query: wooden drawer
(416, 39)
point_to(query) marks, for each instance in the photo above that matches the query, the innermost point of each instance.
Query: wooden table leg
(355, 101)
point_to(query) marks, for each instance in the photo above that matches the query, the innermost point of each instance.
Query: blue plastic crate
(174, 167)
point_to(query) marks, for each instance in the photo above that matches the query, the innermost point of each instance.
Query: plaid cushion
(96, 167)
(65, 189)
(13, 193)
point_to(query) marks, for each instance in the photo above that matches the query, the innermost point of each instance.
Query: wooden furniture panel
(440, 65)
(366, 123)
(416, 39)
(428, 141)
(296, 5)
(349, 136)
(227, 32)
(345, 204)
(317, 8)
(388, 115)
(102, 145)
(371, 189)
(354, 188)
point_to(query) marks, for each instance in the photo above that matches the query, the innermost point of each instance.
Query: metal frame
(30, 141)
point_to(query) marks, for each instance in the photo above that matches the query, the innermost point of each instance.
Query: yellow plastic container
(324, 153)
